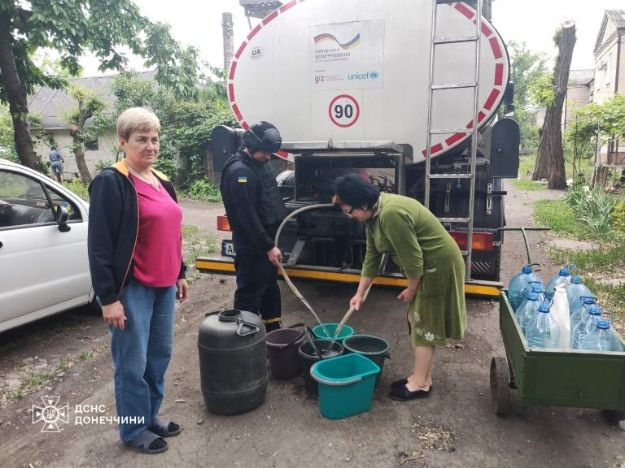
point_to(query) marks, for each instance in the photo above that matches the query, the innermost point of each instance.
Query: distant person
(429, 258)
(135, 257)
(255, 210)
(56, 163)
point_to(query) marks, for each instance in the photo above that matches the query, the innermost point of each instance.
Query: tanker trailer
(404, 92)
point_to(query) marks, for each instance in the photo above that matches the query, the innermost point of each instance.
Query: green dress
(421, 247)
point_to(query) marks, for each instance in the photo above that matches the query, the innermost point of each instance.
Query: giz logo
(257, 53)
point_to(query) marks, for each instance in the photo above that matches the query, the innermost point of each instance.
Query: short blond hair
(136, 119)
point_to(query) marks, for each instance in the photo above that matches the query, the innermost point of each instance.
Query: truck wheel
(500, 393)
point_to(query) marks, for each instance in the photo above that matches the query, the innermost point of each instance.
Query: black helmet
(262, 136)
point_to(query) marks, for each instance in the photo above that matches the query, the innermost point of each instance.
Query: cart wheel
(500, 386)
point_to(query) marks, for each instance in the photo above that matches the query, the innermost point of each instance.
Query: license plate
(227, 249)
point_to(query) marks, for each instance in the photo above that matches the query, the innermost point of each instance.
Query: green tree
(527, 67)
(90, 106)
(6, 132)
(186, 124)
(71, 27)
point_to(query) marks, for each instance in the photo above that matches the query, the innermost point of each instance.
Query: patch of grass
(195, 242)
(86, 356)
(560, 218)
(78, 187)
(528, 185)
(606, 260)
(202, 189)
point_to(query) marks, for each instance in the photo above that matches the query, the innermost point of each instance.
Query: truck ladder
(436, 41)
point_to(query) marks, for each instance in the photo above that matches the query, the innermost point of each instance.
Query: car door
(42, 269)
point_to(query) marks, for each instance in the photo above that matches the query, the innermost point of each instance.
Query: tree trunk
(79, 154)
(550, 161)
(16, 96)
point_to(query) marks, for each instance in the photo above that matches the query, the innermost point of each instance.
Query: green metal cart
(574, 378)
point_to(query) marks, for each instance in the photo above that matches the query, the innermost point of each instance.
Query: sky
(198, 23)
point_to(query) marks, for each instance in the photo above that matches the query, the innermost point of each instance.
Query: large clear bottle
(581, 308)
(563, 277)
(543, 332)
(533, 286)
(518, 283)
(600, 337)
(587, 321)
(576, 289)
(527, 313)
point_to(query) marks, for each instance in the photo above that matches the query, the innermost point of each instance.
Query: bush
(618, 216)
(202, 189)
(593, 207)
(78, 187)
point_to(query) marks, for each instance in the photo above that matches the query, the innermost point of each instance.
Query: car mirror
(62, 216)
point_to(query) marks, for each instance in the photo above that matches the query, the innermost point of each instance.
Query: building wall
(605, 66)
(107, 149)
(621, 70)
(577, 96)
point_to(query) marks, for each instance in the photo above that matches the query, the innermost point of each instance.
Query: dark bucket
(373, 347)
(282, 344)
(309, 357)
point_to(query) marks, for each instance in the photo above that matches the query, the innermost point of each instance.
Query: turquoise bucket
(346, 385)
(326, 331)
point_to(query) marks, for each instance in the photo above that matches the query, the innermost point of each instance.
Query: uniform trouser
(257, 288)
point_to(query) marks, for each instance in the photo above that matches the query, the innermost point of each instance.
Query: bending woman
(430, 259)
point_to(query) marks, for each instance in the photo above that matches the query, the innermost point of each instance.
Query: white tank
(358, 70)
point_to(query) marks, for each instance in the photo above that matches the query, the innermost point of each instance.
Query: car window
(23, 201)
(58, 199)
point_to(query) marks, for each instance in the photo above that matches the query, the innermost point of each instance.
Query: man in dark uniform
(255, 209)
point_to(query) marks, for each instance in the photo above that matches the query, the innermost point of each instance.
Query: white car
(44, 267)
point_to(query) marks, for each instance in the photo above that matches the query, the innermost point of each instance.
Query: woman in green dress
(429, 258)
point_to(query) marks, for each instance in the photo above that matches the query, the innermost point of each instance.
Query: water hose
(281, 267)
(295, 291)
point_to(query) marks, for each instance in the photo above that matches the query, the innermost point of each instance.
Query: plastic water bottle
(586, 322)
(563, 277)
(518, 283)
(525, 315)
(579, 310)
(574, 290)
(543, 332)
(599, 337)
(560, 313)
(532, 286)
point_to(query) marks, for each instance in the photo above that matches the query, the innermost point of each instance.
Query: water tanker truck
(412, 94)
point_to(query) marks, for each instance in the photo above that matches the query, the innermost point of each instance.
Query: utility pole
(228, 35)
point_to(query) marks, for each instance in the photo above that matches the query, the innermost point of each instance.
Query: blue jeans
(141, 354)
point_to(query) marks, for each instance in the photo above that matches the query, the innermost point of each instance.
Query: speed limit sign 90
(344, 111)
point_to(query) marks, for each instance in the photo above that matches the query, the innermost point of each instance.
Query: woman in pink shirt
(135, 255)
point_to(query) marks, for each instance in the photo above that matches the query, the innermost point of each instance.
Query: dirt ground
(455, 427)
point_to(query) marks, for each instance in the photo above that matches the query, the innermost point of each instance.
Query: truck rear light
(222, 223)
(481, 240)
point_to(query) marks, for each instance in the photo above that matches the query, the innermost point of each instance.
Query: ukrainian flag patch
(242, 179)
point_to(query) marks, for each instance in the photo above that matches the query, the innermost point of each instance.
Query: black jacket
(252, 201)
(113, 229)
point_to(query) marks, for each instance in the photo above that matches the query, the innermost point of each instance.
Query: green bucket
(326, 331)
(346, 385)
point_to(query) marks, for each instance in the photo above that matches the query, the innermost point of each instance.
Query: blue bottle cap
(543, 308)
(537, 287)
(603, 324)
(526, 269)
(594, 309)
(588, 299)
(564, 271)
(576, 279)
(532, 296)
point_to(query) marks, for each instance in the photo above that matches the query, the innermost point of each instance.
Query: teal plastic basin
(346, 385)
(326, 331)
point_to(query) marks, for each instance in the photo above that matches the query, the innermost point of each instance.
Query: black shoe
(403, 394)
(399, 383)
